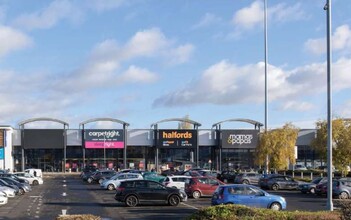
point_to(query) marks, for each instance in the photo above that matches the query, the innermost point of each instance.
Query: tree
(278, 145)
(341, 139)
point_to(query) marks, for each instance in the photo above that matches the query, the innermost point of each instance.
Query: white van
(34, 172)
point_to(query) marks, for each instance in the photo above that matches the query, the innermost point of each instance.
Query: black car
(227, 176)
(100, 176)
(282, 182)
(136, 192)
(247, 178)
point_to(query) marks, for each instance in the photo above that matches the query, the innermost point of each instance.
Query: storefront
(237, 147)
(62, 150)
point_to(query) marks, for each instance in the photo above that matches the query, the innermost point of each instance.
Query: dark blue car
(247, 195)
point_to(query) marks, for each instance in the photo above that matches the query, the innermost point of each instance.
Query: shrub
(238, 212)
(345, 206)
(78, 217)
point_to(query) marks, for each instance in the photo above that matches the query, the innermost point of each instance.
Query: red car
(201, 186)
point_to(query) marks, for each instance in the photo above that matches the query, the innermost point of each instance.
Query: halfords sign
(239, 138)
(104, 138)
(176, 138)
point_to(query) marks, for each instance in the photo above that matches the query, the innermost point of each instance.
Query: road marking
(35, 196)
(64, 194)
(64, 185)
(190, 206)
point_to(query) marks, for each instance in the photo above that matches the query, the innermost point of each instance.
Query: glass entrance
(48, 160)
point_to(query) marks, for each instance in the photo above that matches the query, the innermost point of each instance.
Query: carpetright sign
(239, 138)
(104, 138)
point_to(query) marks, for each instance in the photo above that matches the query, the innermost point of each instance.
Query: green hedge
(238, 212)
(78, 217)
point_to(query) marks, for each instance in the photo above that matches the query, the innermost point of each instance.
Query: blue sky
(143, 61)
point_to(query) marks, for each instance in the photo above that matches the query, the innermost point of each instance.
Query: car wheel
(35, 182)
(131, 201)
(343, 195)
(276, 206)
(101, 180)
(313, 190)
(174, 200)
(245, 182)
(275, 187)
(21, 191)
(90, 180)
(110, 187)
(196, 194)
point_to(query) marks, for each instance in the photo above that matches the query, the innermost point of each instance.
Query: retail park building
(69, 150)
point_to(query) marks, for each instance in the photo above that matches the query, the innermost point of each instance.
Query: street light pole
(330, 207)
(265, 77)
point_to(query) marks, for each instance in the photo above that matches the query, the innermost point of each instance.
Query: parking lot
(68, 193)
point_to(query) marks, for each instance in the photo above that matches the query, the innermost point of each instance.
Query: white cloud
(135, 74)
(226, 84)
(146, 43)
(180, 54)
(252, 16)
(249, 17)
(11, 40)
(49, 16)
(207, 20)
(284, 13)
(341, 41)
(297, 106)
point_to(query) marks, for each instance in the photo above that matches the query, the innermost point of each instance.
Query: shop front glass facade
(178, 158)
(238, 159)
(49, 160)
(104, 158)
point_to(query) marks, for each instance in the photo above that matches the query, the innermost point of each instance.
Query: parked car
(247, 178)
(22, 187)
(300, 167)
(247, 195)
(321, 188)
(10, 192)
(202, 186)
(32, 180)
(87, 171)
(263, 181)
(99, 176)
(176, 181)
(342, 189)
(227, 176)
(35, 172)
(114, 181)
(210, 173)
(14, 177)
(16, 188)
(134, 192)
(282, 182)
(3, 198)
(170, 172)
(193, 173)
(311, 187)
(153, 176)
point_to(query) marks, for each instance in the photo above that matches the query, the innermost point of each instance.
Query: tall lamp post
(265, 77)
(330, 207)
